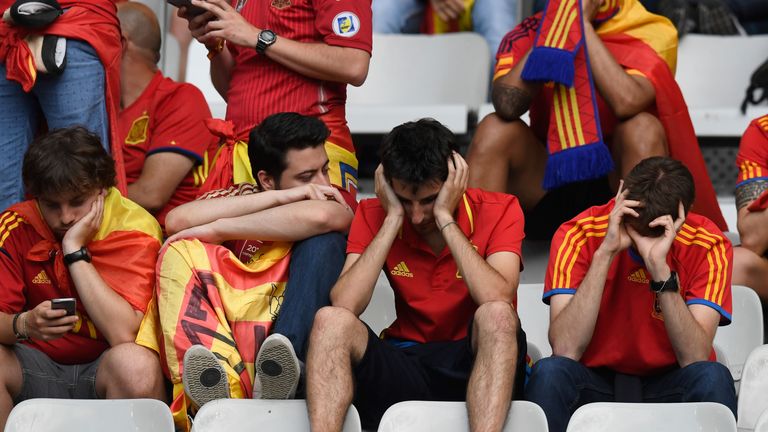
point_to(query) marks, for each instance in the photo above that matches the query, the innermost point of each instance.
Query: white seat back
(115, 415)
(198, 73)
(656, 417)
(424, 416)
(762, 422)
(257, 415)
(534, 316)
(745, 332)
(753, 397)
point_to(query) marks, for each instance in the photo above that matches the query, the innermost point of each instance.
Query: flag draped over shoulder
(230, 165)
(205, 295)
(92, 21)
(559, 54)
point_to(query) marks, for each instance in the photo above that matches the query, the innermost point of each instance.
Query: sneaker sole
(277, 369)
(204, 379)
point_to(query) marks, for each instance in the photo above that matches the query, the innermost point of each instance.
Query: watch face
(267, 36)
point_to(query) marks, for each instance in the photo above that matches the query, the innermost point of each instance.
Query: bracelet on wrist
(20, 335)
(446, 225)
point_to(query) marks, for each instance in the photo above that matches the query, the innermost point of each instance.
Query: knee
(496, 317)
(496, 137)
(135, 368)
(10, 367)
(709, 375)
(550, 371)
(643, 135)
(323, 244)
(333, 322)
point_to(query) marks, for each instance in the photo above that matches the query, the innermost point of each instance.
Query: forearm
(689, 340)
(624, 94)
(221, 68)
(485, 284)
(321, 61)
(290, 222)
(572, 329)
(150, 198)
(113, 315)
(200, 212)
(511, 95)
(355, 286)
(7, 337)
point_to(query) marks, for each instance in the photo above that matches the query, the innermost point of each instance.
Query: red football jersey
(431, 299)
(629, 335)
(168, 117)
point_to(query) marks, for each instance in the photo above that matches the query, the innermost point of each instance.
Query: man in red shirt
(288, 56)
(452, 256)
(637, 288)
(166, 145)
(79, 239)
(750, 265)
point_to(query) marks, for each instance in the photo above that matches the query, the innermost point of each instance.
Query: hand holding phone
(191, 9)
(68, 304)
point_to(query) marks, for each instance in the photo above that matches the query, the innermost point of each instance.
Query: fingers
(217, 7)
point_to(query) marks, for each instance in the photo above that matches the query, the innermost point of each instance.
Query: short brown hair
(70, 160)
(660, 184)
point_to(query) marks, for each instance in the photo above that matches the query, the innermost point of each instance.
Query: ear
(267, 181)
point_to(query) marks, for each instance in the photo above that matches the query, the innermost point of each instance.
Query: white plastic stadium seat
(423, 416)
(116, 415)
(413, 76)
(534, 317)
(198, 73)
(656, 417)
(380, 312)
(753, 398)
(246, 415)
(762, 422)
(745, 332)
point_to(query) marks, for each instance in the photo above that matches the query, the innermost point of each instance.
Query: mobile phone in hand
(191, 9)
(68, 304)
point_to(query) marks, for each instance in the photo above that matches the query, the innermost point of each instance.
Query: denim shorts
(44, 378)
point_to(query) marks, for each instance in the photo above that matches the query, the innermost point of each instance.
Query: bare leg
(494, 339)
(337, 342)
(750, 269)
(10, 373)
(130, 371)
(635, 139)
(507, 157)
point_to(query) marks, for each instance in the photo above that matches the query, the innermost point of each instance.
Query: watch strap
(18, 334)
(81, 254)
(667, 285)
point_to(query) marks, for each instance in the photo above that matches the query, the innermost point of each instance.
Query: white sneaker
(277, 369)
(204, 378)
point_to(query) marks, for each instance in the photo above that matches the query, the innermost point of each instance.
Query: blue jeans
(560, 385)
(492, 19)
(315, 266)
(76, 97)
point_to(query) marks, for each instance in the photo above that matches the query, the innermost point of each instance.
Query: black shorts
(562, 204)
(436, 371)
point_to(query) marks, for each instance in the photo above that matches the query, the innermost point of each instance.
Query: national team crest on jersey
(346, 24)
(138, 132)
(281, 4)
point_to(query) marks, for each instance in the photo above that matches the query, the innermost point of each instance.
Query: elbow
(333, 219)
(358, 73)
(751, 240)
(175, 221)
(562, 350)
(509, 102)
(629, 106)
(121, 337)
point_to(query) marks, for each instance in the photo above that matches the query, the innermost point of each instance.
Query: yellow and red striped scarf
(559, 54)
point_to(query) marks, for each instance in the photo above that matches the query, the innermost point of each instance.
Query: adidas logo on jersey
(638, 276)
(401, 270)
(41, 278)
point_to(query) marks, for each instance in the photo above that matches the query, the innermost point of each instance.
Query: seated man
(641, 266)
(750, 265)
(637, 110)
(166, 144)
(452, 256)
(79, 239)
(283, 250)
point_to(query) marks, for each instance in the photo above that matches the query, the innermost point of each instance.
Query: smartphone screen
(68, 304)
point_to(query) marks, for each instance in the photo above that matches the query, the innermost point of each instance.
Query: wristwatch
(266, 39)
(81, 254)
(667, 285)
(19, 335)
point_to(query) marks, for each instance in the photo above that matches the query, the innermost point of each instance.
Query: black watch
(266, 39)
(667, 285)
(81, 254)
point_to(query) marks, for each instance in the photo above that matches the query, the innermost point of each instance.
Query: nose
(68, 215)
(322, 179)
(417, 214)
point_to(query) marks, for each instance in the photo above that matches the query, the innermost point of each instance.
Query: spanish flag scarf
(574, 140)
